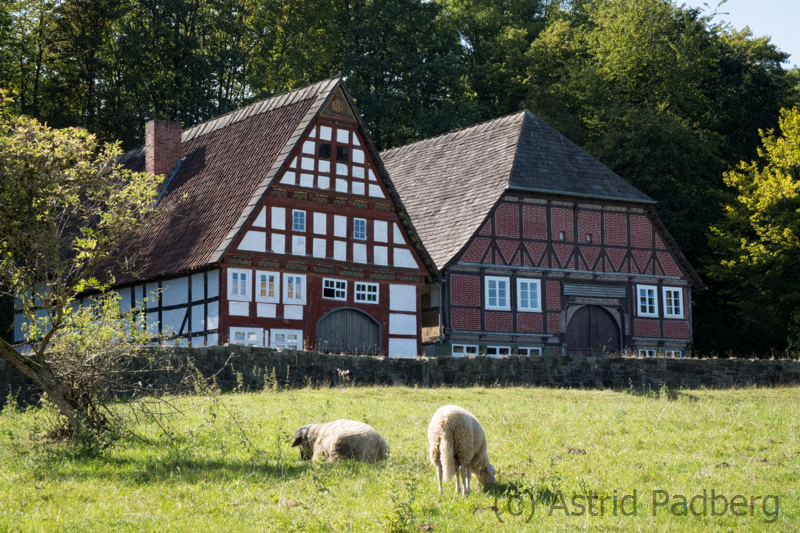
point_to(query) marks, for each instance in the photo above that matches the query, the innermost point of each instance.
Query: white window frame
(362, 289)
(275, 332)
(295, 213)
(639, 312)
(336, 289)
(294, 300)
(274, 299)
(497, 350)
(487, 282)
(667, 313)
(646, 353)
(537, 308)
(245, 331)
(248, 280)
(676, 354)
(465, 350)
(356, 222)
(532, 351)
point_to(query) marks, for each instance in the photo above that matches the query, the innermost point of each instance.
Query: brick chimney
(162, 146)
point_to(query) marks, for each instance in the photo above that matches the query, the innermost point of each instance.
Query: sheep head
(301, 440)
(485, 475)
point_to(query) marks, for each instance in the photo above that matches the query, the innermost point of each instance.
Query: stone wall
(300, 368)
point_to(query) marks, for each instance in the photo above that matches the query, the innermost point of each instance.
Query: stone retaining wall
(300, 368)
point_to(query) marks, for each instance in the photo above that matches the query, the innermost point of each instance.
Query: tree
(66, 207)
(760, 236)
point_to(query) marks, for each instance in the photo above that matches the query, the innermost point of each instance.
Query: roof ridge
(201, 128)
(499, 120)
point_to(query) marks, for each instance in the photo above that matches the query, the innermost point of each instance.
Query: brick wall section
(588, 224)
(530, 323)
(545, 371)
(499, 321)
(465, 290)
(561, 220)
(466, 318)
(507, 248)
(554, 295)
(616, 229)
(641, 232)
(676, 329)
(534, 222)
(475, 252)
(670, 268)
(507, 221)
(644, 327)
(554, 323)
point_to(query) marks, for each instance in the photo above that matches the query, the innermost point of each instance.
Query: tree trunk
(47, 381)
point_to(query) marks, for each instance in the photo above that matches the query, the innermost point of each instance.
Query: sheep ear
(297, 442)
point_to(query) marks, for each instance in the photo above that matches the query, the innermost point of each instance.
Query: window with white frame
(367, 293)
(287, 339)
(497, 296)
(646, 300)
(268, 287)
(334, 289)
(673, 302)
(298, 220)
(360, 229)
(294, 289)
(460, 350)
(522, 350)
(528, 295)
(246, 336)
(647, 353)
(677, 354)
(239, 284)
(498, 351)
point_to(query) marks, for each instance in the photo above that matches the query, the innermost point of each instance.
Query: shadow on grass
(661, 393)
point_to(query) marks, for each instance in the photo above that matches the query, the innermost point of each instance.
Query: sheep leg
(439, 476)
(469, 478)
(458, 481)
(465, 479)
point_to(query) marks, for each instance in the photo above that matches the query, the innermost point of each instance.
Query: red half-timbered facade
(542, 249)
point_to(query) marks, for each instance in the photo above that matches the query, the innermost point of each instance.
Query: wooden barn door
(348, 331)
(592, 331)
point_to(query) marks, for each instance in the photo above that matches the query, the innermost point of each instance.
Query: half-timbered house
(540, 247)
(278, 227)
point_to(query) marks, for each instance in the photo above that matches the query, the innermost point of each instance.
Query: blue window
(360, 229)
(298, 220)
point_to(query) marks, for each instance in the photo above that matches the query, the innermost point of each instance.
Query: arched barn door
(592, 331)
(348, 331)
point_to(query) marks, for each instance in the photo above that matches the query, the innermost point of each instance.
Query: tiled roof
(229, 163)
(451, 182)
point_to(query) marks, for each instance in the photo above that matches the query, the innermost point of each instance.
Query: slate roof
(229, 164)
(450, 183)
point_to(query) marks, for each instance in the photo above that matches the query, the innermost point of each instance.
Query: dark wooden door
(592, 331)
(348, 331)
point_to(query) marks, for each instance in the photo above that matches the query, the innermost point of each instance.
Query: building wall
(325, 218)
(578, 254)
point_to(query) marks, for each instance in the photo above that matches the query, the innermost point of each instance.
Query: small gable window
(673, 302)
(334, 289)
(342, 154)
(646, 300)
(497, 293)
(360, 229)
(298, 220)
(367, 293)
(325, 150)
(239, 284)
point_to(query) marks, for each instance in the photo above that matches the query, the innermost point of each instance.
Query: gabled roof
(229, 164)
(451, 182)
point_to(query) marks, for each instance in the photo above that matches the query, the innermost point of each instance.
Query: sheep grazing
(457, 443)
(340, 439)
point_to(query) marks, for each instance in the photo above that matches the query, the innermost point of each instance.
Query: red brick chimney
(162, 146)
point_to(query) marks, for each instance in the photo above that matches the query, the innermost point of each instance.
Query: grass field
(227, 465)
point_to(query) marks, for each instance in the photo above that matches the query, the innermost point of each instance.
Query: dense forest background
(660, 93)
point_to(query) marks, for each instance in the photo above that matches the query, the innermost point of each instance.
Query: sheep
(456, 441)
(340, 439)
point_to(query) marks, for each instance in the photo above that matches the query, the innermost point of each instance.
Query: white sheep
(457, 442)
(340, 439)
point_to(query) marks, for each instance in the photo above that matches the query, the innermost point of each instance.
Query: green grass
(228, 466)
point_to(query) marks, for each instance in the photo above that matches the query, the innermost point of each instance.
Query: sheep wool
(457, 445)
(341, 439)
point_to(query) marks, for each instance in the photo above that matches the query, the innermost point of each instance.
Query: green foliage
(759, 239)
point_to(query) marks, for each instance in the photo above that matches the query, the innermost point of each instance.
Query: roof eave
(580, 195)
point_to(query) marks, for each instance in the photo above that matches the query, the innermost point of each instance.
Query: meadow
(225, 464)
